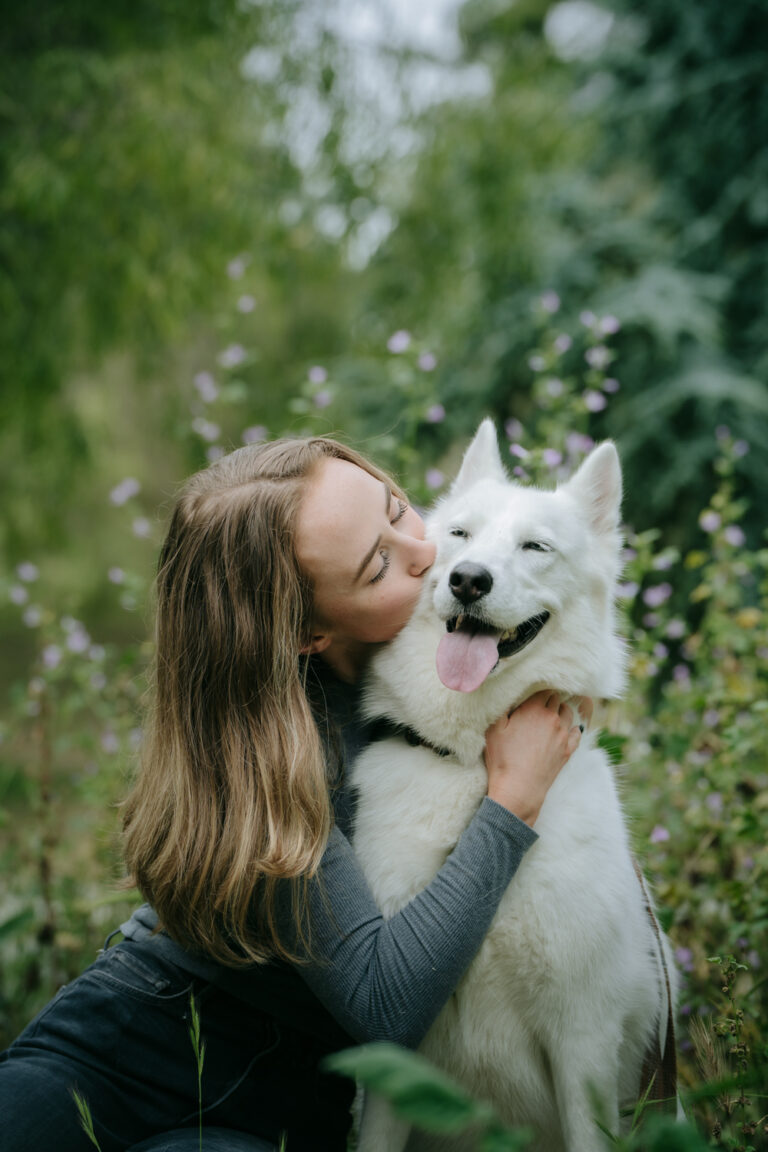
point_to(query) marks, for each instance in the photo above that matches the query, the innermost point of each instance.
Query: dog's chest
(413, 806)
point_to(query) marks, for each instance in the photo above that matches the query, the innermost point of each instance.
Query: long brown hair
(232, 794)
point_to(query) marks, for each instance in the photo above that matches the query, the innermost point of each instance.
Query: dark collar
(382, 728)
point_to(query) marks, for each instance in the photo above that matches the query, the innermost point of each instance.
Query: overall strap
(659, 1076)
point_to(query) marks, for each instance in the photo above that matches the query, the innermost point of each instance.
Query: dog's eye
(460, 532)
(536, 546)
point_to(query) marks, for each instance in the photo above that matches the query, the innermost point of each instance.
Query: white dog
(554, 1016)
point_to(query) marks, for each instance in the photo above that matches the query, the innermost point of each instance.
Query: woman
(283, 566)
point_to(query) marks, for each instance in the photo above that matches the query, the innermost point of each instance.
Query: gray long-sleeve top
(369, 978)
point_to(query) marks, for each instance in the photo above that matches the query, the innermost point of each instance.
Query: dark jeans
(119, 1035)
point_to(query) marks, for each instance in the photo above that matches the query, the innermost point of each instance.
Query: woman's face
(365, 552)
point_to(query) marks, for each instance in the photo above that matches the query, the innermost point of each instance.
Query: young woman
(283, 566)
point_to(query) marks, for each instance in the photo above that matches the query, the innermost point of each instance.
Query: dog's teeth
(459, 621)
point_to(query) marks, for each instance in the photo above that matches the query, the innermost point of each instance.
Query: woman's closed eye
(383, 570)
(402, 508)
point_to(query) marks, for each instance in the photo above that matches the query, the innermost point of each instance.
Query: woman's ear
(317, 644)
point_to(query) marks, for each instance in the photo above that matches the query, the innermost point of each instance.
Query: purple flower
(17, 594)
(236, 268)
(427, 362)
(212, 454)
(663, 562)
(254, 435)
(554, 387)
(627, 591)
(550, 302)
(232, 355)
(650, 620)
(709, 521)
(434, 478)
(116, 575)
(657, 595)
(684, 957)
(711, 718)
(598, 357)
(206, 429)
(577, 442)
(435, 414)
(206, 387)
(78, 641)
(27, 572)
(519, 451)
(51, 656)
(124, 491)
(323, 398)
(611, 385)
(609, 325)
(513, 429)
(675, 629)
(537, 363)
(563, 342)
(722, 432)
(519, 472)
(587, 319)
(110, 742)
(32, 616)
(141, 527)
(317, 374)
(552, 457)
(399, 341)
(714, 802)
(659, 834)
(681, 673)
(740, 448)
(734, 535)
(246, 303)
(595, 401)
(660, 651)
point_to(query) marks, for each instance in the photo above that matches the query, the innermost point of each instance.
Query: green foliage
(422, 1095)
(578, 247)
(84, 1115)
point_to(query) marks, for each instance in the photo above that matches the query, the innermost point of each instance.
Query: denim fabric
(214, 1140)
(119, 1034)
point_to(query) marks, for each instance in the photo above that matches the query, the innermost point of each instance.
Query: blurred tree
(135, 159)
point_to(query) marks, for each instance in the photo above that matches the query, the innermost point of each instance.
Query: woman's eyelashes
(402, 508)
(383, 570)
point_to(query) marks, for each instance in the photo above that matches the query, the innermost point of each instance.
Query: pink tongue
(464, 661)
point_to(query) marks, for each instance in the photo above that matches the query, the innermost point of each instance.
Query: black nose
(469, 582)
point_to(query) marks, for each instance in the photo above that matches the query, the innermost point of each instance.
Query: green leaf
(417, 1091)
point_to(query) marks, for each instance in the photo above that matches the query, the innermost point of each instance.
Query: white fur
(552, 1018)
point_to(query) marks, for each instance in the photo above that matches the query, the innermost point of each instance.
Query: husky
(554, 1017)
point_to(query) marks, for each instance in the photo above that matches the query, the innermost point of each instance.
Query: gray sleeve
(388, 979)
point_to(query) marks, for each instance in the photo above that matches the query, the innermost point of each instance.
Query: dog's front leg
(380, 1129)
(586, 1088)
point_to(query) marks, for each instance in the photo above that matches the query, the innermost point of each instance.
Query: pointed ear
(596, 486)
(481, 460)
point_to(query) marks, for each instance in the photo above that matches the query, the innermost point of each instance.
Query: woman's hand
(525, 750)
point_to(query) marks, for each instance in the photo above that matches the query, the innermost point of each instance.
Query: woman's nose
(422, 556)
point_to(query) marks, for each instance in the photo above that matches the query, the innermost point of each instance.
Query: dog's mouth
(471, 648)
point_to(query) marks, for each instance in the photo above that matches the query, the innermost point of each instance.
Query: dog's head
(524, 579)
